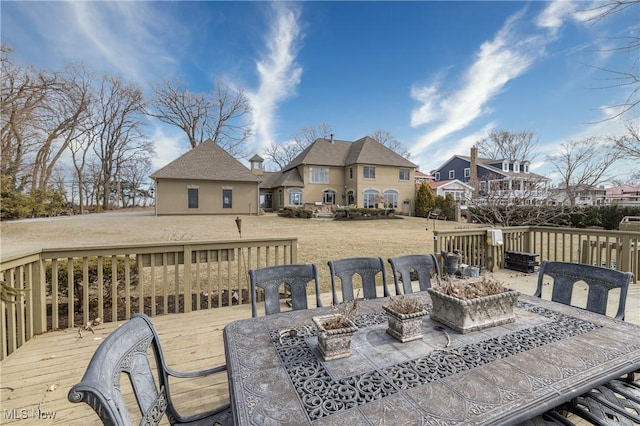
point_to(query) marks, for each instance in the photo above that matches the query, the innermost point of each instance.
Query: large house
(327, 174)
(501, 181)
(331, 172)
(206, 180)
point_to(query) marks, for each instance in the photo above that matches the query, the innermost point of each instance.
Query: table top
(499, 375)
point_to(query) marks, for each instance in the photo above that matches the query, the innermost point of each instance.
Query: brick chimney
(473, 170)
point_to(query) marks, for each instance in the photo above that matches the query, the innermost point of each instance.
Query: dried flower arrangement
(471, 289)
(341, 315)
(406, 305)
(472, 304)
(404, 316)
(335, 330)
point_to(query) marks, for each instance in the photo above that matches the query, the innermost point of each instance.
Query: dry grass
(318, 240)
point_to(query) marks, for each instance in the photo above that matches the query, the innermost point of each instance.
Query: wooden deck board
(41, 372)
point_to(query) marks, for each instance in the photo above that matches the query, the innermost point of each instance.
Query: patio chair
(126, 351)
(599, 281)
(294, 277)
(421, 265)
(366, 267)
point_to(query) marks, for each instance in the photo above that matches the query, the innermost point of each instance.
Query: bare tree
(387, 139)
(517, 201)
(629, 43)
(508, 145)
(283, 153)
(60, 120)
(222, 115)
(23, 94)
(583, 164)
(629, 147)
(118, 131)
(629, 144)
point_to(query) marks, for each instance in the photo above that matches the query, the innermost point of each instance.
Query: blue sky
(437, 75)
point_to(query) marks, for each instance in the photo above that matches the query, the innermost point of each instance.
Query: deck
(37, 377)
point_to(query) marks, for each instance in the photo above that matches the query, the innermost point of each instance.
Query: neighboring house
(206, 180)
(499, 181)
(585, 195)
(460, 191)
(422, 177)
(330, 173)
(623, 195)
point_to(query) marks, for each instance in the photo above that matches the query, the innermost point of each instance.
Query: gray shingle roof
(339, 153)
(206, 161)
(277, 179)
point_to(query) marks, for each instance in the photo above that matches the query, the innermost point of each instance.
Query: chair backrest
(366, 267)
(294, 277)
(599, 281)
(421, 264)
(125, 351)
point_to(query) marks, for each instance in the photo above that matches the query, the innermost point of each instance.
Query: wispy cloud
(278, 71)
(497, 62)
(137, 23)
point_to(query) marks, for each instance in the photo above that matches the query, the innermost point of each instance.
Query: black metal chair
(422, 265)
(615, 403)
(599, 280)
(294, 277)
(126, 352)
(618, 401)
(366, 267)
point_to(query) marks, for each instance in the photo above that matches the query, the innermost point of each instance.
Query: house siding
(172, 197)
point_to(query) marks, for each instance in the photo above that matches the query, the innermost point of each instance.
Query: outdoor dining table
(500, 375)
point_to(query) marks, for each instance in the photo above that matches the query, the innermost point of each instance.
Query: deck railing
(611, 249)
(64, 288)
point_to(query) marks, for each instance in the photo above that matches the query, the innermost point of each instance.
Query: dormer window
(516, 167)
(505, 166)
(525, 167)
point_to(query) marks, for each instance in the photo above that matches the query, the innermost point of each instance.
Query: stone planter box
(335, 343)
(465, 315)
(404, 327)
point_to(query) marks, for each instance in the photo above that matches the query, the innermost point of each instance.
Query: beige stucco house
(206, 180)
(329, 173)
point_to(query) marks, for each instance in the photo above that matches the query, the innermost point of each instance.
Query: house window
(318, 175)
(525, 168)
(371, 199)
(350, 172)
(467, 172)
(452, 174)
(369, 172)
(404, 174)
(227, 197)
(437, 176)
(193, 198)
(505, 166)
(391, 199)
(329, 196)
(351, 197)
(295, 197)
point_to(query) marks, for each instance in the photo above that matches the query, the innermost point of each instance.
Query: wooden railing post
(625, 254)
(186, 277)
(39, 289)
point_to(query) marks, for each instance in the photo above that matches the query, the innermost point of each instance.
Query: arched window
(391, 199)
(371, 199)
(329, 196)
(295, 197)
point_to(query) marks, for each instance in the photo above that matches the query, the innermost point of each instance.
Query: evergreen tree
(425, 200)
